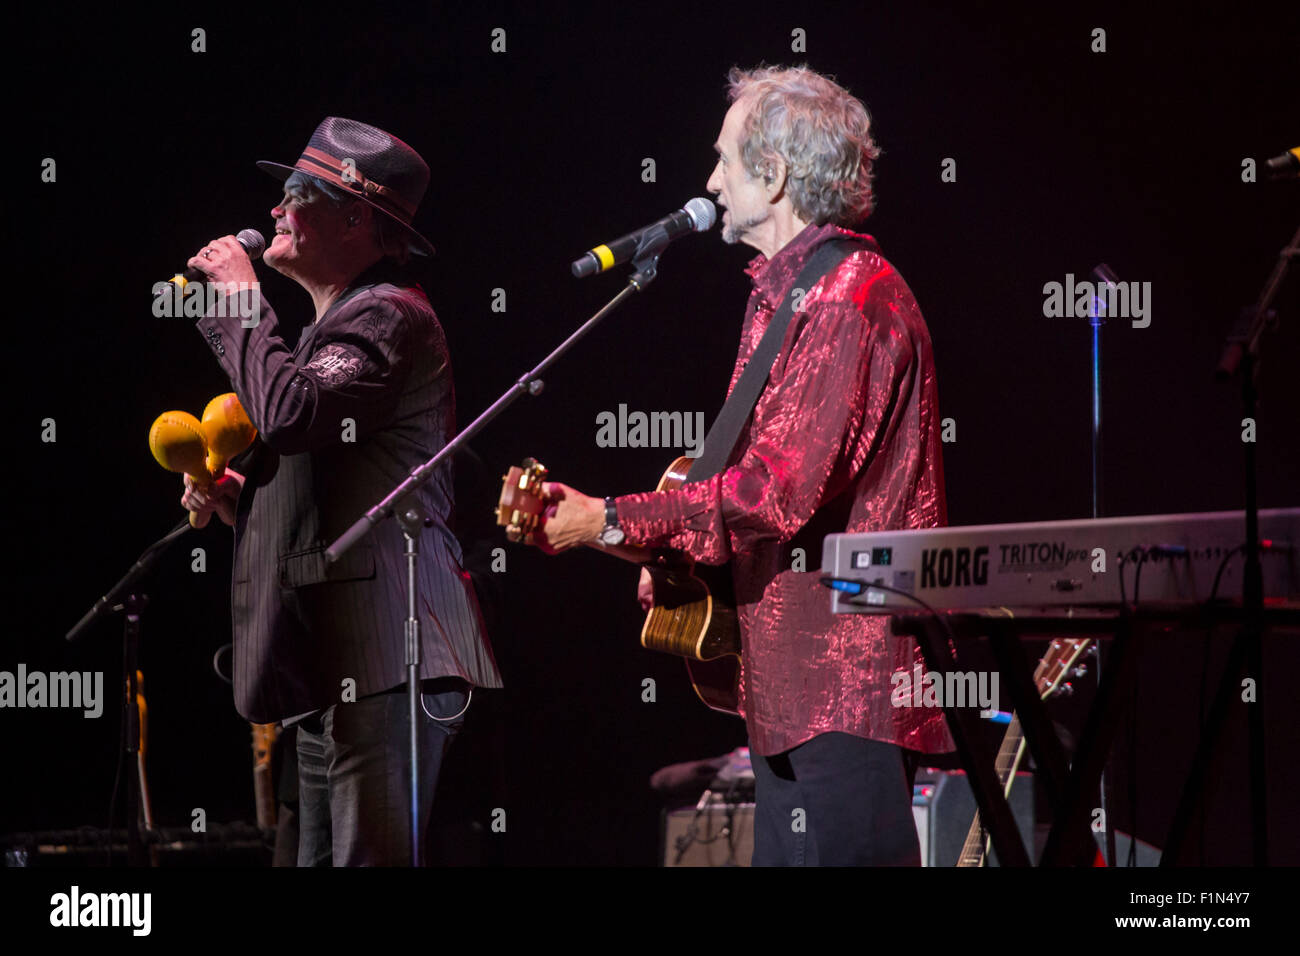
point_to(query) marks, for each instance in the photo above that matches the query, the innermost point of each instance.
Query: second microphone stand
(413, 520)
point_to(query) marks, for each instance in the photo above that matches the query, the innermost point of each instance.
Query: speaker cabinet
(717, 835)
(943, 807)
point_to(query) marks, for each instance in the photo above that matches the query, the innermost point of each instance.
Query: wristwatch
(611, 534)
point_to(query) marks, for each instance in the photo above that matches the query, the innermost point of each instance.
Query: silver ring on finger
(206, 253)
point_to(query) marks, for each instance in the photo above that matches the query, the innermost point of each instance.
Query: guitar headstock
(1056, 665)
(522, 501)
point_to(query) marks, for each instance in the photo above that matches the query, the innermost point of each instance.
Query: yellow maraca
(227, 430)
(200, 449)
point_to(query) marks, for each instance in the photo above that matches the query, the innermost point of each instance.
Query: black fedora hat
(376, 167)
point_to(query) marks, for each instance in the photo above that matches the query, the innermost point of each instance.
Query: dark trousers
(354, 792)
(836, 800)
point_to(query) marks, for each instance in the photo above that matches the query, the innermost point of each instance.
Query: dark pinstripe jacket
(366, 396)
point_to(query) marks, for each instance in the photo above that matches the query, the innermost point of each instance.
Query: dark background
(1065, 158)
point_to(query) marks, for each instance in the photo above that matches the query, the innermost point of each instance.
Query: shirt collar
(378, 273)
(772, 277)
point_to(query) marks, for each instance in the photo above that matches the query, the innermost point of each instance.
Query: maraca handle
(200, 520)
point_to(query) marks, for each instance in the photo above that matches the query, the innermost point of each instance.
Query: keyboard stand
(1069, 793)
(1072, 791)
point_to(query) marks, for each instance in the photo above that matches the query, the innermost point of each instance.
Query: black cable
(1137, 576)
(1200, 709)
(1133, 713)
(1205, 670)
(1132, 779)
(832, 582)
(1123, 599)
(216, 661)
(1154, 550)
(1140, 555)
(1218, 575)
(1132, 737)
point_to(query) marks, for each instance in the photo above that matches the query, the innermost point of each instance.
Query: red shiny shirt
(844, 437)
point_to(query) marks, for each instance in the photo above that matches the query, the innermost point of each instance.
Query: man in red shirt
(845, 437)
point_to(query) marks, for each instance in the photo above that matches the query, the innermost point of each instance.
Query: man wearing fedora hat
(343, 416)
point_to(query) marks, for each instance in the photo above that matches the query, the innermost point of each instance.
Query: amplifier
(718, 834)
(233, 845)
(943, 806)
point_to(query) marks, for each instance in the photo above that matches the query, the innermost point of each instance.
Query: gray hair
(389, 237)
(821, 132)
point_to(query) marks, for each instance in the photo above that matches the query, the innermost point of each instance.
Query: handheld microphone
(698, 215)
(1286, 166)
(252, 242)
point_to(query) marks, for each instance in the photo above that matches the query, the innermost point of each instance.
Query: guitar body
(693, 616)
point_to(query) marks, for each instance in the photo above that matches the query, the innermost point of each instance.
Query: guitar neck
(628, 552)
(1012, 751)
(1056, 664)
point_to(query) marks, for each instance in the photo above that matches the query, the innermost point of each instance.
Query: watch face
(612, 536)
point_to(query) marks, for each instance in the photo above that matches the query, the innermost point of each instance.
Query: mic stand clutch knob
(646, 261)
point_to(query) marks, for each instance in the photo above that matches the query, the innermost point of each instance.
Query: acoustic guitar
(690, 618)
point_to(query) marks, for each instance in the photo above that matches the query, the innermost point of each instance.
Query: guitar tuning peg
(1080, 670)
(1065, 690)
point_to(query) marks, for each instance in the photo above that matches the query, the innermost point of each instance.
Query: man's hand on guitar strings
(572, 519)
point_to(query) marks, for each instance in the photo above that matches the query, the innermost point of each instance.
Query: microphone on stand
(698, 215)
(1286, 166)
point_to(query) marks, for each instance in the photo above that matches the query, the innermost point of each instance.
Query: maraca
(200, 449)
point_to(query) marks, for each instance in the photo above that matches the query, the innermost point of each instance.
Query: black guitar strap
(726, 428)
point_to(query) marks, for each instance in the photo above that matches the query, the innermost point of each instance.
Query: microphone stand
(125, 596)
(1241, 355)
(1104, 275)
(412, 520)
